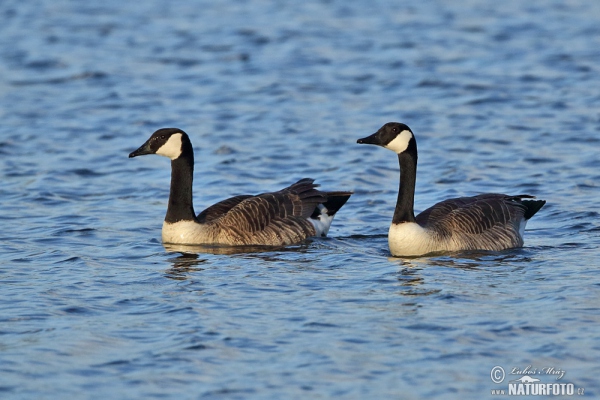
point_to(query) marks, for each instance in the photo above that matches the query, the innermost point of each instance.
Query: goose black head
(394, 136)
(168, 142)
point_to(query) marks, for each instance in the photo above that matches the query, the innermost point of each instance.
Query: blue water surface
(503, 97)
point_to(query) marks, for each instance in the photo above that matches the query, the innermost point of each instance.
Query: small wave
(59, 80)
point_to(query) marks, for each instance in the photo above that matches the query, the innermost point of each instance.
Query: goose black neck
(181, 207)
(406, 193)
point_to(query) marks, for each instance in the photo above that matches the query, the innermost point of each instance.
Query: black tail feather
(532, 206)
(335, 201)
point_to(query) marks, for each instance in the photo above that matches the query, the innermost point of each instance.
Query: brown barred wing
(274, 219)
(217, 210)
(485, 222)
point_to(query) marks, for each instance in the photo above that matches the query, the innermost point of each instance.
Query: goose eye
(395, 130)
(163, 137)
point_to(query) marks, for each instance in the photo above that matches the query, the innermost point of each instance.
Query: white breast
(410, 239)
(184, 232)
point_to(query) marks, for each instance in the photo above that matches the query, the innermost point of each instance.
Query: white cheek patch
(172, 148)
(400, 142)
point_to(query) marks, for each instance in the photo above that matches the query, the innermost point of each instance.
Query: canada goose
(273, 219)
(485, 222)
